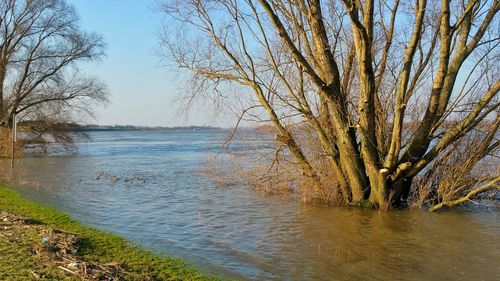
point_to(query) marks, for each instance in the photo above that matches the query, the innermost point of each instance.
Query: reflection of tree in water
(16, 177)
(36, 172)
(352, 244)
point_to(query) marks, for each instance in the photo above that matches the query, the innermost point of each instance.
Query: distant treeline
(91, 128)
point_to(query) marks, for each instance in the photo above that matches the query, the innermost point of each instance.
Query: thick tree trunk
(400, 192)
(351, 162)
(332, 94)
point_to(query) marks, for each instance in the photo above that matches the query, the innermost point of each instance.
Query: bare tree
(388, 87)
(41, 44)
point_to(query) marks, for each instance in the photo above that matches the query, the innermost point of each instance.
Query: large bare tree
(388, 87)
(41, 44)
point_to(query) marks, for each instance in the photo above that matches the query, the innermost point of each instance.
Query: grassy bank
(19, 259)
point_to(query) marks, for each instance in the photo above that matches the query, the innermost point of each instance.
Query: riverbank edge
(97, 245)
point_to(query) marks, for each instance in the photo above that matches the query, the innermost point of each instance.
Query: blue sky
(142, 92)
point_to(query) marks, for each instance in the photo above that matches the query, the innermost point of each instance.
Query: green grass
(96, 245)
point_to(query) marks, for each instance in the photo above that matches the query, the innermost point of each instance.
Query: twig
(493, 184)
(65, 269)
(37, 276)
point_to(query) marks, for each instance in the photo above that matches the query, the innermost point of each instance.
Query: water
(151, 191)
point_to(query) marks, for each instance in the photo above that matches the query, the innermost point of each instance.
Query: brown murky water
(159, 200)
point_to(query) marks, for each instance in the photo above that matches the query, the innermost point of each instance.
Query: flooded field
(148, 187)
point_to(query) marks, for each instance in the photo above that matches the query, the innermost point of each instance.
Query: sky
(142, 91)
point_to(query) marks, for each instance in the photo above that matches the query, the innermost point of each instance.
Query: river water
(149, 187)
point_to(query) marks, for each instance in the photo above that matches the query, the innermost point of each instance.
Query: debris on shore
(56, 249)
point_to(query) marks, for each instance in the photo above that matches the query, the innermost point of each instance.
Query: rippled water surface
(148, 187)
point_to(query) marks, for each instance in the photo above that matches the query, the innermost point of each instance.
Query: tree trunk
(2, 81)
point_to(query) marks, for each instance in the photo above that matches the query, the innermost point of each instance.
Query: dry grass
(272, 172)
(6, 144)
(462, 169)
